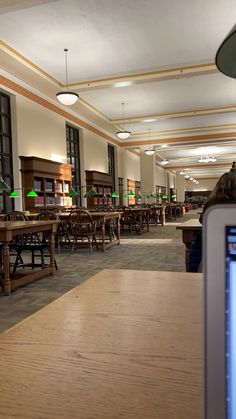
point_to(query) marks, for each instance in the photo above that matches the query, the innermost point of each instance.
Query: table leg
(163, 217)
(6, 269)
(52, 252)
(147, 216)
(118, 230)
(103, 235)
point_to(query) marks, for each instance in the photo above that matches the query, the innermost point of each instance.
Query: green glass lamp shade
(92, 192)
(32, 194)
(152, 195)
(148, 196)
(131, 193)
(73, 193)
(115, 195)
(140, 196)
(14, 194)
(126, 197)
(3, 185)
(173, 196)
(164, 196)
(233, 168)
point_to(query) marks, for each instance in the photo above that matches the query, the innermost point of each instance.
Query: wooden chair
(82, 227)
(37, 244)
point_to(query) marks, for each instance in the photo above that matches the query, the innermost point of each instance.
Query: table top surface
(192, 224)
(16, 225)
(122, 344)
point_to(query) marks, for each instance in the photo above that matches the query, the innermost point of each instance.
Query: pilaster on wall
(180, 186)
(147, 172)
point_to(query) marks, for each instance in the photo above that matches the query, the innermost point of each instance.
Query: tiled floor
(160, 250)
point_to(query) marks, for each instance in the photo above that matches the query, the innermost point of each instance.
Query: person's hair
(225, 189)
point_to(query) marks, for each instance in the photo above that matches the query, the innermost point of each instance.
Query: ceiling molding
(183, 130)
(149, 76)
(198, 166)
(50, 106)
(19, 57)
(180, 114)
(188, 138)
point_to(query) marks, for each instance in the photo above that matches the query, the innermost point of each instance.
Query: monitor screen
(230, 323)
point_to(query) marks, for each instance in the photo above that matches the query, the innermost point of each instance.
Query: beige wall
(40, 132)
(128, 165)
(160, 176)
(180, 186)
(204, 185)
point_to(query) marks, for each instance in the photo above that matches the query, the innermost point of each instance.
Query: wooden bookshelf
(50, 180)
(102, 183)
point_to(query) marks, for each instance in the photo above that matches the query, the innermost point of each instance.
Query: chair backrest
(15, 216)
(47, 215)
(81, 223)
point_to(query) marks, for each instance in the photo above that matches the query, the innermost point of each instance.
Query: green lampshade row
(73, 193)
(131, 193)
(92, 192)
(115, 195)
(31, 194)
(164, 196)
(14, 194)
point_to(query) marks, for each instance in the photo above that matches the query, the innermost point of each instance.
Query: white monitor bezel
(215, 221)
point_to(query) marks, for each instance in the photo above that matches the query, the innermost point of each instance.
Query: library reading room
(117, 133)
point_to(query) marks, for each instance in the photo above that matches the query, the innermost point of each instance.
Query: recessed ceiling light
(191, 178)
(122, 84)
(149, 120)
(187, 176)
(181, 172)
(163, 145)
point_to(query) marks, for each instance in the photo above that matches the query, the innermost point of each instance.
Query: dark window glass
(6, 166)
(5, 125)
(73, 157)
(5, 105)
(111, 167)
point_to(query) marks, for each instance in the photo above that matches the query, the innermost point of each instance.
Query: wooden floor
(124, 344)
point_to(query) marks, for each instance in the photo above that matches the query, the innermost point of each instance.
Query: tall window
(73, 158)
(6, 166)
(111, 165)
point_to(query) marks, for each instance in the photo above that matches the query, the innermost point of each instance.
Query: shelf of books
(50, 180)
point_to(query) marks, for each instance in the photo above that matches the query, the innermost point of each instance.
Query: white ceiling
(108, 38)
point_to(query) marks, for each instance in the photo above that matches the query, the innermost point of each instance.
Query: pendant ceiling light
(164, 162)
(123, 135)
(225, 56)
(149, 150)
(67, 97)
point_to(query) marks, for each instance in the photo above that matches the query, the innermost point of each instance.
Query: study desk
(122, 344)
(189, 229)
(10, 229)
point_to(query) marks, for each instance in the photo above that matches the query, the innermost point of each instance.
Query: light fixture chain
(66, 50)
(123, 116)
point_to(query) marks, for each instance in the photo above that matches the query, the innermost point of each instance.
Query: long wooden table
(101, 218)
(10, 229)
(123, 344)
(189, 230)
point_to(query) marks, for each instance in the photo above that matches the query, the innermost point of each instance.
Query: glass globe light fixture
(67, 97)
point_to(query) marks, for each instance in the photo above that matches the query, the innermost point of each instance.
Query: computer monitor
(219, 249)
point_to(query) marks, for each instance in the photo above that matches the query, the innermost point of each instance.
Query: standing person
(224, 191)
